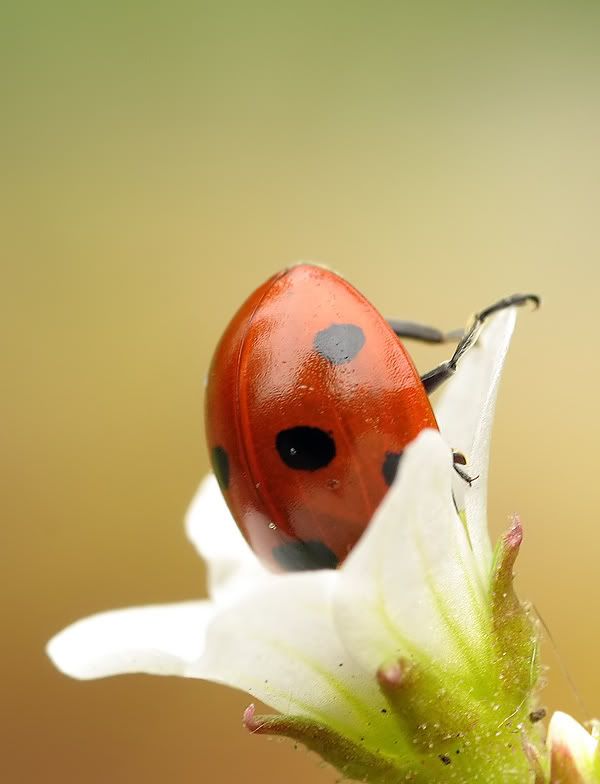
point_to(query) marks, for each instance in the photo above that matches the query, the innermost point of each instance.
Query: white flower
(574, 752)
(413, 658)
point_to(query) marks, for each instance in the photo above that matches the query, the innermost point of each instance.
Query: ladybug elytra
(310, 402)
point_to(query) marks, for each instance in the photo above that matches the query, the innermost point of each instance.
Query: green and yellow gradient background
(159, 161)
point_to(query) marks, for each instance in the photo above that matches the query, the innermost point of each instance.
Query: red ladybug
(311, 399)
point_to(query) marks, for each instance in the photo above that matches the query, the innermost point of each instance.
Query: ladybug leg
(460, 460)
(437, 376)
(414, 331)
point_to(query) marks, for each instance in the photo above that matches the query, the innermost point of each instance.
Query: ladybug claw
(464, 476)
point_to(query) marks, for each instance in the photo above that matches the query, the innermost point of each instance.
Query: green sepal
(346, 756)
(596, 735)
(514, 631)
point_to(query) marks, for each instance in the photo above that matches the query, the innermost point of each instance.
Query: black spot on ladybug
(389, 469)
(220, 464)
(305, 448)
(298, 556)
(339, 343)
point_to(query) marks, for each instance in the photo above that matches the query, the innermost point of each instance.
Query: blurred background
(159, 161)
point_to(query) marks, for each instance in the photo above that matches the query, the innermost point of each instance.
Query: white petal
(231, 564)
(161, 640)
(409, 588)
(569, 741)
(465, 413)
(565, 730)
(280, 645)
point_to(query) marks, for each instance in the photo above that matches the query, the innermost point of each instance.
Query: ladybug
(311, 399)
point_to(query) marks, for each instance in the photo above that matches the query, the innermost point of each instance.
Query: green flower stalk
(414, 661)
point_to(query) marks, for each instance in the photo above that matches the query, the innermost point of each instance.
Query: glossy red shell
(281, 365)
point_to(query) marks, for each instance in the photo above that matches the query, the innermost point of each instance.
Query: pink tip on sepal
(514, 537)
(249, 719)
(392, 676)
